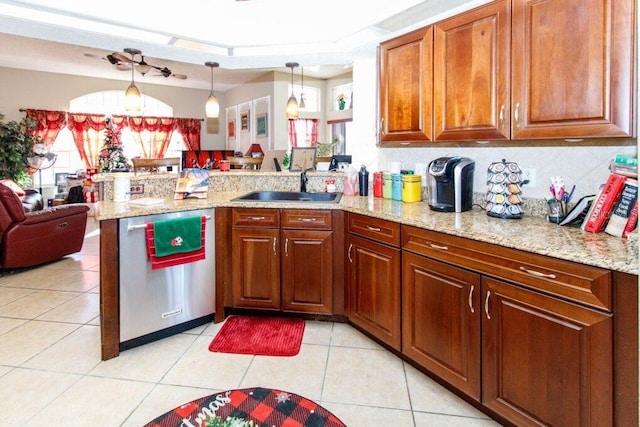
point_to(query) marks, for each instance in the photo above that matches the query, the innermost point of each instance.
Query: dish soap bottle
(350, 187)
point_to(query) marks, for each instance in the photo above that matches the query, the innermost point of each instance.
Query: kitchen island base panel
(164, 333)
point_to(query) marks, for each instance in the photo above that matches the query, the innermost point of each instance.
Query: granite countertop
(532, 234)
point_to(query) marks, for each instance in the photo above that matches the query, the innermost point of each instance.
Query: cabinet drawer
(576, 282)
(377, 229)
(306, 219)
(247, 217)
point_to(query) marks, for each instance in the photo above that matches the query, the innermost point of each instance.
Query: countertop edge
(530, 234)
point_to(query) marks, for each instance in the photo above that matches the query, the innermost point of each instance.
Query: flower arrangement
(341, 101)
(112, 156)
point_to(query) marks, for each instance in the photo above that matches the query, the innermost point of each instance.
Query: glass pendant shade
(212, 106)
(292, 107)
(132, 98)
(302, 104)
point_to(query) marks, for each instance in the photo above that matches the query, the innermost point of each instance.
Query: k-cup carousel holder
(504, 190)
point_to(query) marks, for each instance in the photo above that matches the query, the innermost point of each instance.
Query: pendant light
(302, 104)
(292, 104)
(132, 97)
(212, 107)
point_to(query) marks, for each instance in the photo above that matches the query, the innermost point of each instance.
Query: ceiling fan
(124, 63)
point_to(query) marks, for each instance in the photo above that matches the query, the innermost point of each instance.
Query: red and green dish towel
(176, 241)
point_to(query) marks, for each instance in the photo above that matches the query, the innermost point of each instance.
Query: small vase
(341, 105)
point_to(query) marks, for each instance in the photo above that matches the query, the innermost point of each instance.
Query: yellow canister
(411, 188)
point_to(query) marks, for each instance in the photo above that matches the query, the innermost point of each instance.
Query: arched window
(105, 102)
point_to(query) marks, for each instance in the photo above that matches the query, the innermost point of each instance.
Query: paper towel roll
(395, 167)
(121, 187)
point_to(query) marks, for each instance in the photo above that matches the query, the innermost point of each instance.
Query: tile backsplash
(585, 166)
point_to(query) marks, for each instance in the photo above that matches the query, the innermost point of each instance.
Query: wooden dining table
(245, 162)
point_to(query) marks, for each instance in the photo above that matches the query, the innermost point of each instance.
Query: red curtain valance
(48, 124)
(88, 131)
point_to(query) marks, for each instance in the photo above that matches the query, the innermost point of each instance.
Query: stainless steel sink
(289, 196)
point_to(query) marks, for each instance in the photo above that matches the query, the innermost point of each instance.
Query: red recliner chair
(31, 238)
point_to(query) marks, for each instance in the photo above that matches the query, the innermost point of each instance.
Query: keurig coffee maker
(450, 182)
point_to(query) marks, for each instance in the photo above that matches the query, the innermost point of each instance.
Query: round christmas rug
(249, 407)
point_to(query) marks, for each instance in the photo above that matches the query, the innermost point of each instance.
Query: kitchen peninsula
(555, 285)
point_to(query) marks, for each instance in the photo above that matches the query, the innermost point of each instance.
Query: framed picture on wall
(244, 120)
(231, 128)
(261, 124)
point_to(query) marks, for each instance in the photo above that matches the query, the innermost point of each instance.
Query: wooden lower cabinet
(283, 260)
(441, 320)
(256, 268)
(307, 276)
(545, 361)
(374, 289)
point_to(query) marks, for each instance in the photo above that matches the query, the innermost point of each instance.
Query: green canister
(387, 185)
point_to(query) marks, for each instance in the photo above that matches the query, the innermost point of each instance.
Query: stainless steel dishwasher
(157, 303)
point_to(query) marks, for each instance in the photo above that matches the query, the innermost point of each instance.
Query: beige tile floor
(51, 372)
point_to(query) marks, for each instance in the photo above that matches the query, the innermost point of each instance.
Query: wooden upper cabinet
(471, 74)
(406, 83)
(572, 68)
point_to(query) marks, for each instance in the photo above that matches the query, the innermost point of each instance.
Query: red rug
(251, 406)
(265, 336)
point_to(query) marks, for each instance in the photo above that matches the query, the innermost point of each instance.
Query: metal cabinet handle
(537, 273)
(486, 305)
(286, 247)
(381, 125)
(370, 228)
(471, 299)
(516, 115)
(434, 246)
(349, 253)
(257, 218)
(501, 117)
(274, 245)
(307, 219)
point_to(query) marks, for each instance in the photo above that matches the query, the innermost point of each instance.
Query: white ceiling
(247, 38)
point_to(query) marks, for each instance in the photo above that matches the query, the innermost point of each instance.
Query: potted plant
(324, 150)
(16, 144)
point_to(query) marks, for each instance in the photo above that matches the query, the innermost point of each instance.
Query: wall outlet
(529, 174)
(137, 189)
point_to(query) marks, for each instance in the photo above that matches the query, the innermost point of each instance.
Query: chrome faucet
(303, 180)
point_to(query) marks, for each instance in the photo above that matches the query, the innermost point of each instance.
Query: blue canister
(396, 186)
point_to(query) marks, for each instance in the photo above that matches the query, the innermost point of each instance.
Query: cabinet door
(374, 289)
(572, 68)
(256, 268)
(471, 74)
(545, 361)
(307, 271)
(441, 320)
(406, 69)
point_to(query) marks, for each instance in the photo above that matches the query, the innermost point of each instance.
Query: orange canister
(411, 188)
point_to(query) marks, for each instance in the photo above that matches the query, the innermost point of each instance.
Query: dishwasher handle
(141, 226)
